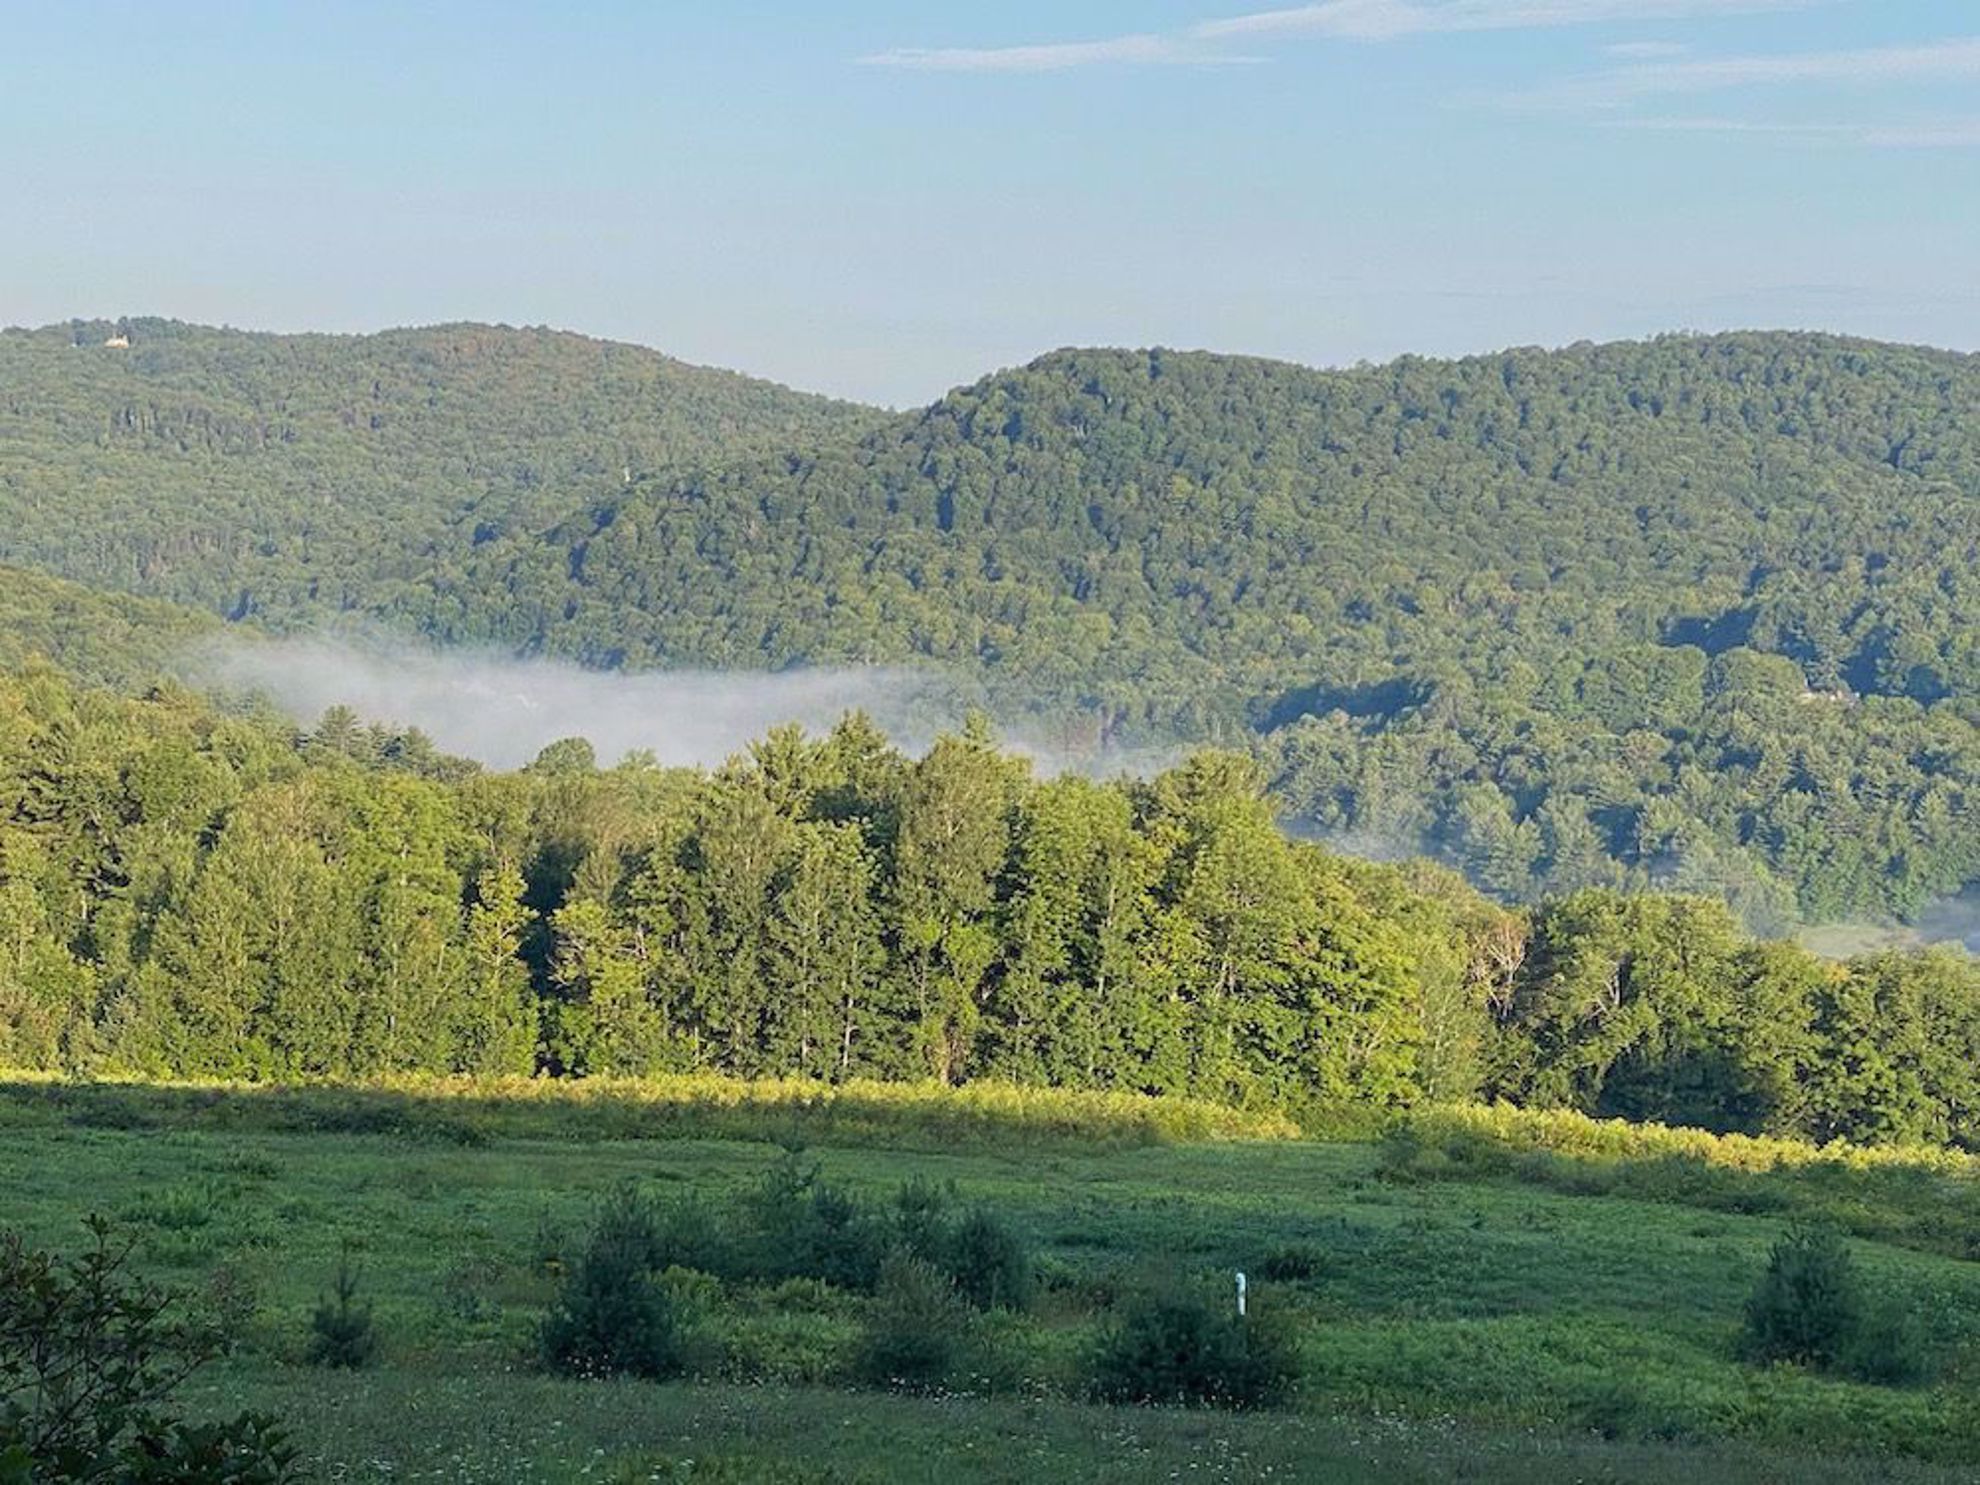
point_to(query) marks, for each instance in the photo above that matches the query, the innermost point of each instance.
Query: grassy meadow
(1477, 1295)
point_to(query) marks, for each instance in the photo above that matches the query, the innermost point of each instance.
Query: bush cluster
(1175, 1346)
(927, 1262)
(614, 1316)
(90, 1360)
(1809, 1309)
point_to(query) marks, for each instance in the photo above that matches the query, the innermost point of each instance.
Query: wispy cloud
(1961, 134)
(1114, 51)
(1205, 43)
(1643, 51)
(1733, 126)
(1386, 20)
(1952, 59)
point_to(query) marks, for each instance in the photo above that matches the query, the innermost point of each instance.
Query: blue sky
(881, 199)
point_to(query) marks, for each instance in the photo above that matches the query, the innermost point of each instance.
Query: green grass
(1470, 1310)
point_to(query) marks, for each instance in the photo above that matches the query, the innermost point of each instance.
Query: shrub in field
(1809, 1303)
(915, 1328)
(1889, 1349)
(340, 1331)
(989, 1262)
(1810, 1309)
(89, 1360)
(983, 1256)
(1292, 1265)
(614, 1315)
(807, 1229)
(921, 1217)
(1178, 1347)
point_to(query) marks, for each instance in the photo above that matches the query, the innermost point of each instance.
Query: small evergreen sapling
(341, 1332)
(1809, 1303)
(915, 1328)
(614, 1315)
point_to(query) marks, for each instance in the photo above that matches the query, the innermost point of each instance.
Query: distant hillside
(1181, 535)
(109, 638)
(1691, 612)
(283, 476)
(1697, 611)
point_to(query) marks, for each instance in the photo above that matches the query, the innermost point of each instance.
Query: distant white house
(119, 342)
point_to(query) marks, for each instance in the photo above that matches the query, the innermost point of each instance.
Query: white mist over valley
(502, 711)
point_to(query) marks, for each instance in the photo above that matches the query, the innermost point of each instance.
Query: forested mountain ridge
(1695, 611)
(1164, 532)
(283, 477)
(1691, 612)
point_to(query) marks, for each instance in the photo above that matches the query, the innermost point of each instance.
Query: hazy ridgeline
(188, 892)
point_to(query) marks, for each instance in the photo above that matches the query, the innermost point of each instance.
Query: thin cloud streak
(1201, 45)
(1953, 134)
(1387, 20)
(1733, 126)
(1643, 51)
(1951, 59)
(1962, 134)
(1117, 51)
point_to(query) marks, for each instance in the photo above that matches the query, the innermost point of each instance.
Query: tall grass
(1923, 1198)
(906, 1115)
(1564, 1132)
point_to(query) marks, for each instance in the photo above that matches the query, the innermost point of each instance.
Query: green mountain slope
(285, 476)
(1184, 534)
(109, 638)
(1697, 611)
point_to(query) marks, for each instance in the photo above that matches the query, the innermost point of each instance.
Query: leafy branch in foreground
(90, 1358)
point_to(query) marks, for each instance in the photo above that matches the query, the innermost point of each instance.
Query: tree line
(186, 891)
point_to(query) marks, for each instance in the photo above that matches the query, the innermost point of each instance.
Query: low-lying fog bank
(502, 711)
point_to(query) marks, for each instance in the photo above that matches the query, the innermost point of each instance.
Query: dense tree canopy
(1692, 613)
(106, 637)
(184, 891)
(285, 477)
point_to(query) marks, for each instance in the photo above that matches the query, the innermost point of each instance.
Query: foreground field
(1467, 1309)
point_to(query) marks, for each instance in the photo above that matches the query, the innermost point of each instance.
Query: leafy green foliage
(1172, 1345)
(89, 1361)
(190, 892)
(614, 1315)
(915, 1328)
